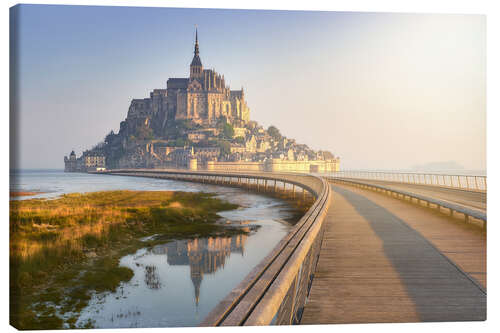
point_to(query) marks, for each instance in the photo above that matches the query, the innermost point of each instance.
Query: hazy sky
(382, 91)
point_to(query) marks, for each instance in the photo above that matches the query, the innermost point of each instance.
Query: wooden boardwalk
(387, 260)
(470, 199)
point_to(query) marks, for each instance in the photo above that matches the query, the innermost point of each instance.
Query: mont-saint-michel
(198, 122)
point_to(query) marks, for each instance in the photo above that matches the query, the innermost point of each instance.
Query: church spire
(196, 69)
(196, 46)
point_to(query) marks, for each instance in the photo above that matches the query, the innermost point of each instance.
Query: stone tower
(196, 68)
(202, 98)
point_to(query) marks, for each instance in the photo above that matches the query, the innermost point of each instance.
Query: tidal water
(176, 283)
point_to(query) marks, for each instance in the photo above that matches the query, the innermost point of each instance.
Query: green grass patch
(63, 250)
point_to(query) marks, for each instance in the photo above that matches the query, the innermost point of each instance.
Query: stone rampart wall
(276, 165)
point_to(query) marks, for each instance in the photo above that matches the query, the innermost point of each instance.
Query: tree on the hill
(274, 133)
(327, 155)
(109, 138)
(226, 130)
(225, 147)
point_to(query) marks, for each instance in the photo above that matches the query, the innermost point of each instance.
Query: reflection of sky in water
(169, 279)
(178, 283)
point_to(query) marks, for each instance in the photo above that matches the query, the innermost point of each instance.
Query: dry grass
(50, 243)
(23, 193)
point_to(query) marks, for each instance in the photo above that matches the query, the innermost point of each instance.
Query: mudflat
(63, 250)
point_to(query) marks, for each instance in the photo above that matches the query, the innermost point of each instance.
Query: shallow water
(177, 283)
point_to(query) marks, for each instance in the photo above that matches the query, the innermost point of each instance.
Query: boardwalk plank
(375, 266)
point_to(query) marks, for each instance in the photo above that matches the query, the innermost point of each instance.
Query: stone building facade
(71, 162)
(89, 161)
(95, 162)
(202, 98)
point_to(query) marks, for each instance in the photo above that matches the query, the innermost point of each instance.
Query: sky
(381, 91)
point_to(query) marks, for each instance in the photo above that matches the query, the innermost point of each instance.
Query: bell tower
(196, 68)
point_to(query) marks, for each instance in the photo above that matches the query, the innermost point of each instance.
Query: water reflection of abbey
(203, 255)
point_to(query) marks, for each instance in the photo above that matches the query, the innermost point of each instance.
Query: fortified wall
(277, 165)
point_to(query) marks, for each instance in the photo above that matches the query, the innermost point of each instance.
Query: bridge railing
(467, 212)
(264, 181)
(466, 182)
(275, 291)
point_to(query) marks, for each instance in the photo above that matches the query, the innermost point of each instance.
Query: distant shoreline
(455, 172)
(36, 169)
(14, 194)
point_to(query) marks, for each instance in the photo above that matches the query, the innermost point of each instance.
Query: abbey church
(202, 98)
(198, 122)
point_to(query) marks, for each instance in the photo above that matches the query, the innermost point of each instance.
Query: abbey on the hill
(198, 122)
(203, 98)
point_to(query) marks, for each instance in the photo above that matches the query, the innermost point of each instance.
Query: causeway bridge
(373, 247)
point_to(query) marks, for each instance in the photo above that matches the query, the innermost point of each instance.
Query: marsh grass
(63, 250)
